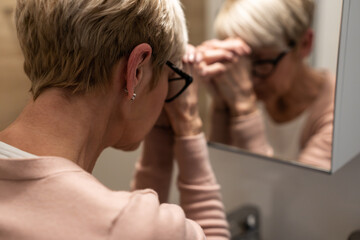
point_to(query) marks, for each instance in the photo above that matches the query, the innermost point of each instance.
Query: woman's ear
(139, 59)
(306, 43)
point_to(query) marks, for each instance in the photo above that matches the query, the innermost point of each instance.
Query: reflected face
(273, 71)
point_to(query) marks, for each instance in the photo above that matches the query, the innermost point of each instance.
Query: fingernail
(191, 57)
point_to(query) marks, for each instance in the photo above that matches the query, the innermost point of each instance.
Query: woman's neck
(306, 87)
(56, 125)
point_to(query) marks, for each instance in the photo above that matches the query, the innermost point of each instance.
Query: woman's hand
(183, 112)
(225, 67)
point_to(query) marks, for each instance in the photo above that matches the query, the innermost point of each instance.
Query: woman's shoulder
(127, 215)
(87, 208)
(321, 113)
(130, 215)
(324, 103)
(145, 218)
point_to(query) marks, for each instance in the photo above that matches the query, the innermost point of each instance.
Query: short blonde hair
(262, 23)
(74, 44)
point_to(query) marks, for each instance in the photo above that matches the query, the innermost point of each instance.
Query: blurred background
(14, 84)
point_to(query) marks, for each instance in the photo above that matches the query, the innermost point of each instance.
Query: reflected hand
(225, 66)
(235, 45)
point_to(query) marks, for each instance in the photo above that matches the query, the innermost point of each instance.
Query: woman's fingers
(189, 56)
(210, 56)
(212, 70)
(228, 50)
(231, 44)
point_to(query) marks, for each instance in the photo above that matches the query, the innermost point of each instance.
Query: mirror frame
(346, 135)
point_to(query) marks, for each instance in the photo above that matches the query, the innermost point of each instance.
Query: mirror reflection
(266, 96)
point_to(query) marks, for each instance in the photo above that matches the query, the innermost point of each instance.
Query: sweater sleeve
(199, 192)
(318, 148)
(248, 132)
(316, 141)
(154, 168)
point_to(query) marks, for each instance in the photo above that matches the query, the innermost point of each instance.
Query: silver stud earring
(133, 97)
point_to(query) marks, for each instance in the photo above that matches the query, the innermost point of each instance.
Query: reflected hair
(265, 23)
(74, 44)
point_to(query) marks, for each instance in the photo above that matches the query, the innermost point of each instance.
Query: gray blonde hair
(74, 44)
(262, 23)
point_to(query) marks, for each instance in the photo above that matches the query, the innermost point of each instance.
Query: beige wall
(195, 17)
(13, 82)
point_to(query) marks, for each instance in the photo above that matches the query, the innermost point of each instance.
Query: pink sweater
(53, 198)
(248, 132)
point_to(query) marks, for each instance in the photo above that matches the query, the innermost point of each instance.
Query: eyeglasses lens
(176, 85)
(262, 69)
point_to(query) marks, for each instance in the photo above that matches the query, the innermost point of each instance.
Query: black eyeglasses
(178, 84)
(265, 67)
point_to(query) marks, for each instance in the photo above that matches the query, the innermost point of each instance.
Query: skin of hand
(213, 51)
(163, 121)
(211, 56)
(225, 68)
(183, 113)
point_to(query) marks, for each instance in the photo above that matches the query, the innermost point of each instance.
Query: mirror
(291, 119)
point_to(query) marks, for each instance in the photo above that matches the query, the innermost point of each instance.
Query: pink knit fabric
(53, 198)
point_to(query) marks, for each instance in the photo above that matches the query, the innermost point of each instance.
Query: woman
(262, 58)
(100, 73)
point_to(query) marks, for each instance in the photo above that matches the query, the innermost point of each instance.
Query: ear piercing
(133, 96)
